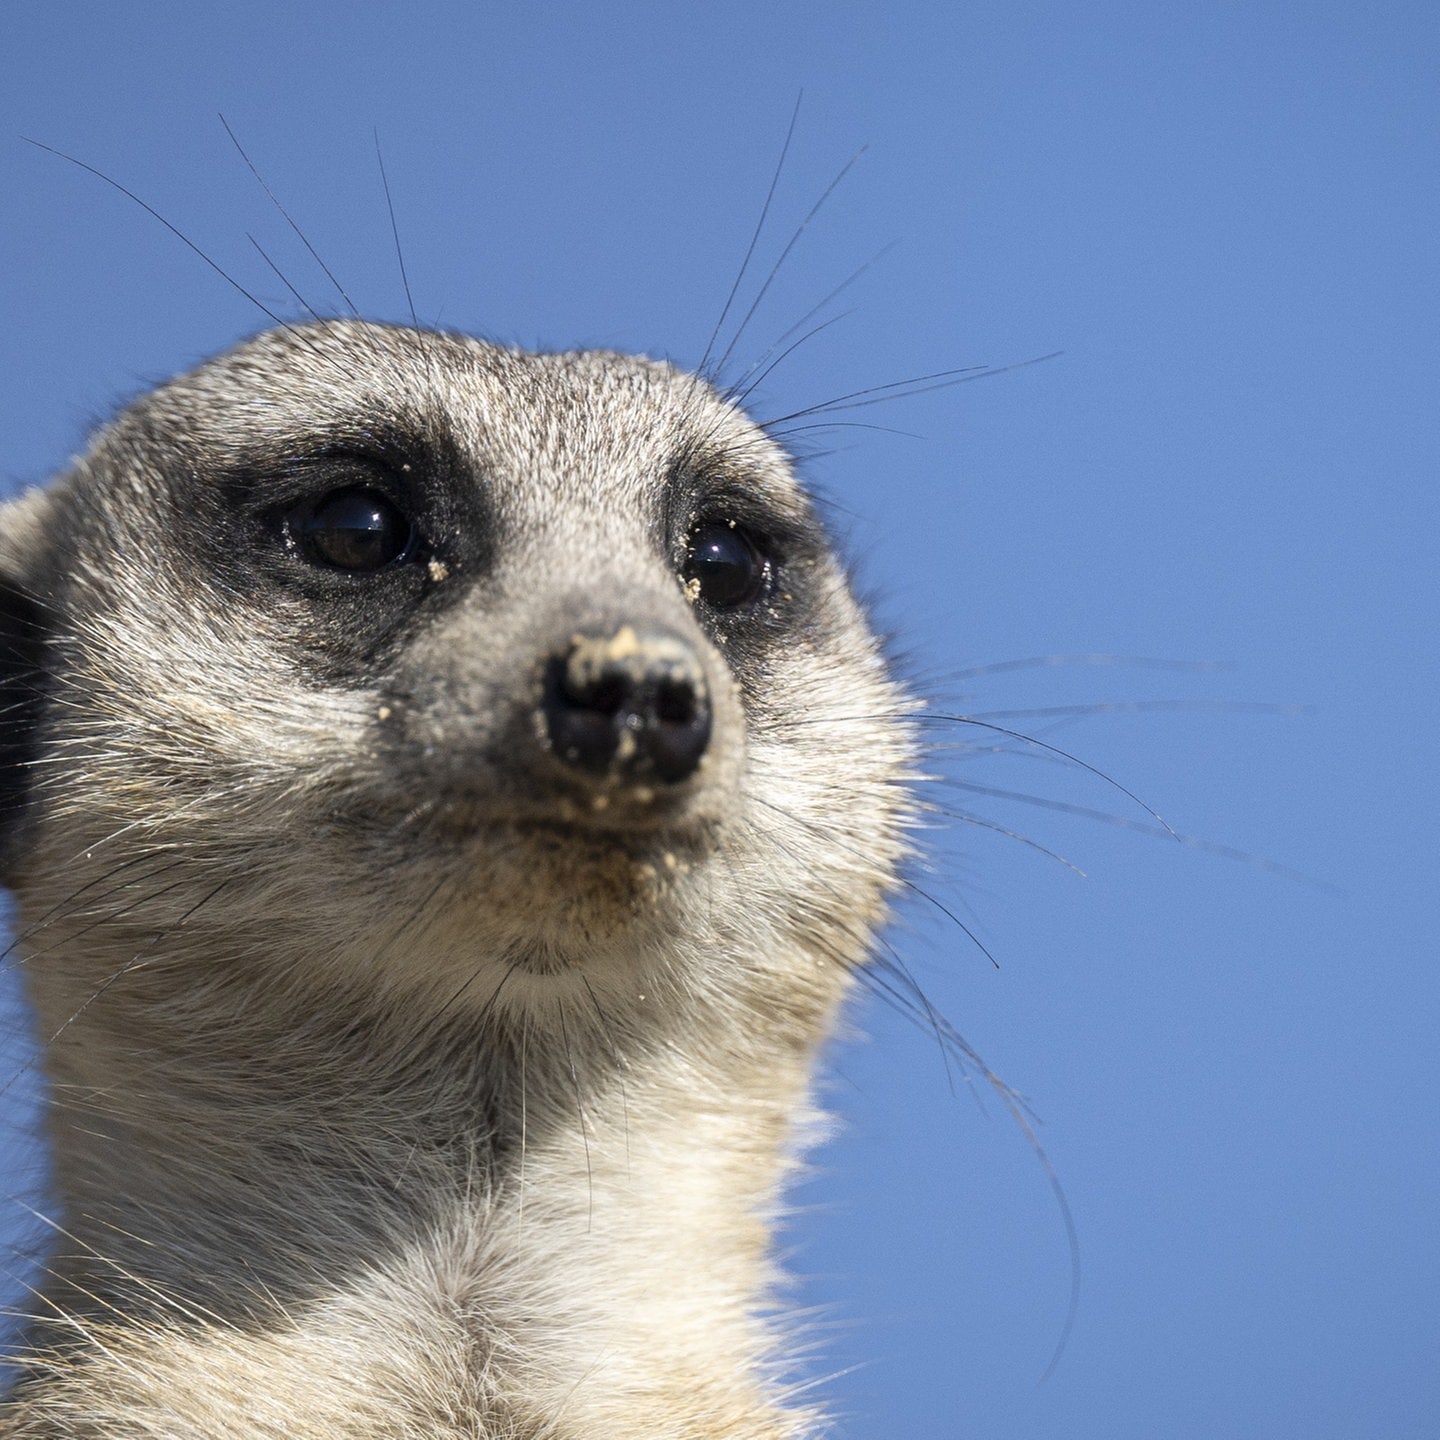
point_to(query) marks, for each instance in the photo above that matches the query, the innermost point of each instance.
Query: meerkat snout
(632, 707)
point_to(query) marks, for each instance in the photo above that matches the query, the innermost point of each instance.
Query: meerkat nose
(631, 706)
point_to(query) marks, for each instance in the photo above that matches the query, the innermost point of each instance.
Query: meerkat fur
(447, 793)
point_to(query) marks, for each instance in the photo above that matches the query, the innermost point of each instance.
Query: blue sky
(1225, 217)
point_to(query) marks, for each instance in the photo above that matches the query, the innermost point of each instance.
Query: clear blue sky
(1226, 217)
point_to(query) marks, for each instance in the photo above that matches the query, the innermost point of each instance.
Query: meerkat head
(467, 672)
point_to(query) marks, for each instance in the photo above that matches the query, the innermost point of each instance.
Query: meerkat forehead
(595, 416)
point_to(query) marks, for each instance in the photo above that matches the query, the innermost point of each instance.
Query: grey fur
(407, 1082)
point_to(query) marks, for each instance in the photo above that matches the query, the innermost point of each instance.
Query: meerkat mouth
(613, 860)
(562, 884)
(639, 828)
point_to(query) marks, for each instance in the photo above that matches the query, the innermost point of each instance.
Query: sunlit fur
(395, 1092)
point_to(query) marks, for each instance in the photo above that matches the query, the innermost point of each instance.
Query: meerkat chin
(448, 791)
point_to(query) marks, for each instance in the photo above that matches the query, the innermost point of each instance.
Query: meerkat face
(476, 672)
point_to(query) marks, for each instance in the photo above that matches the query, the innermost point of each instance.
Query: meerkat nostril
(607, 696)
(675, 702)
(631, 707)
(677, 745)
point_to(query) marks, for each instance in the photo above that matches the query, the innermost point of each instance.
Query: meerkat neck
(217, 1124)
(309, 1190)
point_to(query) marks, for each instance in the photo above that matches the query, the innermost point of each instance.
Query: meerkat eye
(353, 529)
(723, 566)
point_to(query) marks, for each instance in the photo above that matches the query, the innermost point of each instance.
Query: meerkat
(449, 791)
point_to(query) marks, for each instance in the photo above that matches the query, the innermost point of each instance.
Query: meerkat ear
(23, 637)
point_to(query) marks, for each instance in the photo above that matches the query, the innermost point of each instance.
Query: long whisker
(785, 255)
(905, 389)
(745, 386)
(289, 220)
(395, 232)
(185, 240)
(703, 368)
